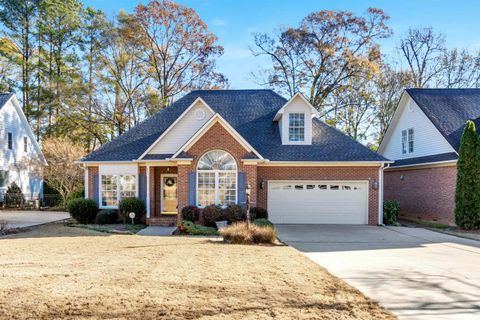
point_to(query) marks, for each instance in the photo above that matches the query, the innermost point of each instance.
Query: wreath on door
(169, 182)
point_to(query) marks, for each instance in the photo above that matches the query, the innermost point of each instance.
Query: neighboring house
(209, 145)
(21, 160)
(423, 139)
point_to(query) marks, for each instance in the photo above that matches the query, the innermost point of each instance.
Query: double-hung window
(296, 127)
(25, 144)
(117, 187)
(10, 140)
(3, 178)
(407, 141)
(216, 179)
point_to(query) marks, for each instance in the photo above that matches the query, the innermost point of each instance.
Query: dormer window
(407, 141)
(296, 127)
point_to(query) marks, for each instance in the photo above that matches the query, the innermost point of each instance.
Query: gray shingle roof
(4, 97)
(449, 110)
(425, 159)
(251, 113)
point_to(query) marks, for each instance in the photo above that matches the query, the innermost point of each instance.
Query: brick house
(423, 139)
(209, 145)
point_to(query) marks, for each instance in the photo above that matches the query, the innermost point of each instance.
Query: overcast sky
(235, 21)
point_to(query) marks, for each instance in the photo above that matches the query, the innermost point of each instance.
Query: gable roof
(449, 110)
(4, 98)
(251, 114)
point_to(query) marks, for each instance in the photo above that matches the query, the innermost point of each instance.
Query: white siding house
(21, 160)
(425, 141)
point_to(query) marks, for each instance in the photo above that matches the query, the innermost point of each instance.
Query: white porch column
(85, 168)
(148, 191)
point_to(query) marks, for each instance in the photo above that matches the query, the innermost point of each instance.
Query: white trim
(147, 200)
(199, 99)
(280, 112)
(421, 165)
(380, 195)
(322, 163)
(85, 169)
(213, 120)
(175, 175)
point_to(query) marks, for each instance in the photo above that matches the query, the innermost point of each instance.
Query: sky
(234, 22)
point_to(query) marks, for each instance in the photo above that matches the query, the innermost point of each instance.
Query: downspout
(380, 193)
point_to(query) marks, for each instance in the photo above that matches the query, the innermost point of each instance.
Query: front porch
(162, 194)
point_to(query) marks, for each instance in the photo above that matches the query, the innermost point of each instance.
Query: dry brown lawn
(59, 272)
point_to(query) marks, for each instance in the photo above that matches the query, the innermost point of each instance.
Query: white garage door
(322, 202)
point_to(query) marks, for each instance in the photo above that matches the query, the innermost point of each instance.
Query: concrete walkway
(22, 219)
(156, 231)
(413, 272)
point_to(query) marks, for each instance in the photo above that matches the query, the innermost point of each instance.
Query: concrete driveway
(21, 219)
(413, 272)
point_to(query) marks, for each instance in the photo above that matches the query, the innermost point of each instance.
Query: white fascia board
(216, 118)
(199, 99)
(24, 120)
(421, 165)
(280, 112)
(324, 163)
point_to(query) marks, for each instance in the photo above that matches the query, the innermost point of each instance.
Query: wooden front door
(169, 188)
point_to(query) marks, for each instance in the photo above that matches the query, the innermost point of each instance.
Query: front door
(169, 194)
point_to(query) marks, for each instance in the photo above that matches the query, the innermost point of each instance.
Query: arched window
(216, 179)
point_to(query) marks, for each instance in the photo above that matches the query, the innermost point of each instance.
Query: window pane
(410, 140)
(227, 188)
(109, 190)
(127, 186)
(296, 127)
(404, 141)
(3, 178)
(206, 188)
(217, 160)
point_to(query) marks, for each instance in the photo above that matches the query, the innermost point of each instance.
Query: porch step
(164, 221)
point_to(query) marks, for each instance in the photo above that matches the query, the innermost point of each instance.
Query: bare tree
(460, 69)
(323, 53)
(422, 50)
(62, 173)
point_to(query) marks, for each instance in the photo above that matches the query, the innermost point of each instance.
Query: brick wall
(217, 137)
(424, 194)
(322, 173)
(92, 171)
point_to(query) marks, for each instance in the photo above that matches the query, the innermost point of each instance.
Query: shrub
(234, 213)
(258, 213)
(191, 213)
(390, 211)
(79, 193)
(263, 223)
(135, 205)
(211, 214)
(82, 210)
(196, 229)
(14, 196)
(106, 217)
(240, 233)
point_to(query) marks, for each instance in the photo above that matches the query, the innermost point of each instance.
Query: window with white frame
(25, 144)
(117, 187)
(10, 140)
(407, 141)
(3, 178)
(216, 179)
(296, 127)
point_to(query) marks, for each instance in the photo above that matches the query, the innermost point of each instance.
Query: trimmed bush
(235, 213)
(263, 223)
(106, 217)
(79, 193)
(14, 196)
(82, 210)
(191, 213)
(240, 233)
(196, 229)
(211, 214)
(135, 205)
(390, 211)
(258, 213)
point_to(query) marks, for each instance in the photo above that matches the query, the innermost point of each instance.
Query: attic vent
(199, 114)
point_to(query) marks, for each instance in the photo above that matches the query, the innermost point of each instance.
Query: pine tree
(466, 203)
